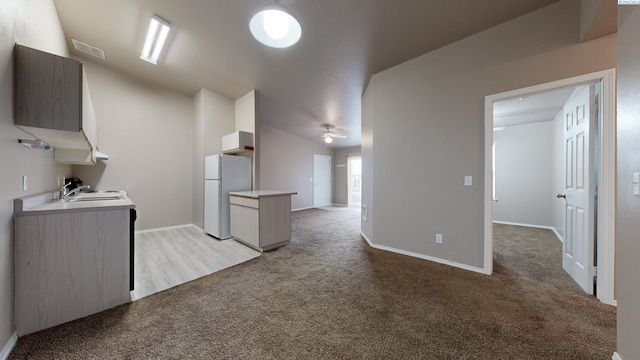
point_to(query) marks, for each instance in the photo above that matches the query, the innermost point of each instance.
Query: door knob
(561, 196)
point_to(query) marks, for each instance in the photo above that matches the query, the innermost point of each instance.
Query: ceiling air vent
(86, 48)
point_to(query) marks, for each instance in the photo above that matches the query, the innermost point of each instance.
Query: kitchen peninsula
(261, 219)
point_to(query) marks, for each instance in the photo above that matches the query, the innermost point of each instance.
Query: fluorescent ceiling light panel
(156, 37)
(274, 26)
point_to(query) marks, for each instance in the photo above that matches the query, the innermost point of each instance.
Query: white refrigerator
(222, 174)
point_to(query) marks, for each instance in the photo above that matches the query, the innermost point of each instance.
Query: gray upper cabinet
(48, 90)
(53, 103)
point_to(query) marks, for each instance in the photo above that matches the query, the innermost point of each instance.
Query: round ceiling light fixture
(274, 26)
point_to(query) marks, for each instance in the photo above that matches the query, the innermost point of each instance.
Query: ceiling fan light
(274, 26)
(328, 139)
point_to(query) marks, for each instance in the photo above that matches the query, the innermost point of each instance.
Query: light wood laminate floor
(169, 257)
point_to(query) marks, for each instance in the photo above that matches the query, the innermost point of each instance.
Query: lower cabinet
(245, 220)
(263, 223)
(69, 265)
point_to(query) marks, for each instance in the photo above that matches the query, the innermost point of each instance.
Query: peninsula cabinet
(53, 103)
(261, 219)
(69, 265)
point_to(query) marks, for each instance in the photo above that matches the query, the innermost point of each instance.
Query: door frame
(606, 174)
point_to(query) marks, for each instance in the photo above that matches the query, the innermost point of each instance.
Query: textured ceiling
(319, 80)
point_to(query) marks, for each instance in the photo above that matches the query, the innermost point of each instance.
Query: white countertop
(41, 204)
(256, 194)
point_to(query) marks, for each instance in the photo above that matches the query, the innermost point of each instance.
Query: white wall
(524, 170)
(247, 112)
(367, 150)
(147, 132)
(35, 24)
(628, 205)
(286, 163)
(214, 118)
(423, 121)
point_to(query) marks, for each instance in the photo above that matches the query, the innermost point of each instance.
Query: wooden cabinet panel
(245, 222)
(68, 266)
(251, 218)
(48, 90)
(235, 219)
(53, 103)
(263, 223)
(275, 220)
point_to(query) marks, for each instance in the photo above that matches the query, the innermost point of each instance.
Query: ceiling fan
(328, 136)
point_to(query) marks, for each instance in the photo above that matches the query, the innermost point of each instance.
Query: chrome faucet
(64, 194)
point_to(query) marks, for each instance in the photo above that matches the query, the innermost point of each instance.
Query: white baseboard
(424, 257)
(8, 347)
(304, 208)
(532, 226)
(313, 207)
(522, 224)
(616, 356)
(560, 238)
(165, 228)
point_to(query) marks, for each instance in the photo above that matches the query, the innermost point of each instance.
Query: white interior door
(578, 246)
(321, 180)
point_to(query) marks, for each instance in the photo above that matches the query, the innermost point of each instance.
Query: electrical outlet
(438, 238)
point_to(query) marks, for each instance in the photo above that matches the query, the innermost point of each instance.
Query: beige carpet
(327, 295)
(532, 253)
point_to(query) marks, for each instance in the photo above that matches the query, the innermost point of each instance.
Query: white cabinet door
(245, 220)
(252, 225)
(236, 221)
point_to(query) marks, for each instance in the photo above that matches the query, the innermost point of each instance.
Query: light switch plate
(24, 183)
(468, 180)
(636, 178)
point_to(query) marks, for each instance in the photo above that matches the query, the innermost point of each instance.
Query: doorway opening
(535, 178)
(603, 220)
(354, 178)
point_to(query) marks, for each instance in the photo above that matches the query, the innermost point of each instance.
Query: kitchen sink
(95, 195)
(101, 197)
(102, 192)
